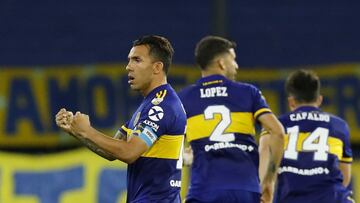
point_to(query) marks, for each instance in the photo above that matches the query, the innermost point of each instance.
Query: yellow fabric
(198, 127)
(335, 144)
(166, 147)
(260, 111)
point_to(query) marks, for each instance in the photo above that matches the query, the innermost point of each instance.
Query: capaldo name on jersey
(309, 116)
(175, 183)
(213, 92)
(153, 125)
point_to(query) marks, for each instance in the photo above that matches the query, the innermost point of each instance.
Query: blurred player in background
(151, 142)
(316, 166)
(221, 117)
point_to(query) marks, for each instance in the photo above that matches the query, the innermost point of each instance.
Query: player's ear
(158, 67)
(221, 63)
(319, 100)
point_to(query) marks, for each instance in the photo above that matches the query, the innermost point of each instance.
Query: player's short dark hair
(159, 48)
(209, 47)
(303, 85)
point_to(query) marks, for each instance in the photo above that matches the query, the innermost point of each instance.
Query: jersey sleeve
(153, 123)
(347, 152)
(260, 106)
(123, 132)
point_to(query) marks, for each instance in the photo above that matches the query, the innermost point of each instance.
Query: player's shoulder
(186, 91)
(243, 86)
(165, 97)
(168, 100)
(337, 121)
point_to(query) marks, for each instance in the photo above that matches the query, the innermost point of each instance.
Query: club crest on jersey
(157, 101)
(156, 113)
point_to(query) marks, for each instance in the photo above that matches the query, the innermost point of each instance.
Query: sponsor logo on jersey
(156, 113)
(175, 183)
(150, 134)
(153, 125)
(304, 172)
(228, 145)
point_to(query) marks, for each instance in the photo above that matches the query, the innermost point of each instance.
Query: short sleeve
(347, 152)
(153, 123)
(260, 106)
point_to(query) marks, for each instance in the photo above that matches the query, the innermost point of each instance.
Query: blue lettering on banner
(22, 106)
(49, 186)
(348, 96)
(112, 184)
(67, 97)
(109, 101)
(109, 119)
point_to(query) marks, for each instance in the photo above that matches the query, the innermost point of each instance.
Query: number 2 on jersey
(316, 142)
(218, 134)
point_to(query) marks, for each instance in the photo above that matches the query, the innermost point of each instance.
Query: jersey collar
(307, 108)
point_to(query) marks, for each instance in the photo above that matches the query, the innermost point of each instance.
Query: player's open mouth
(130, 79)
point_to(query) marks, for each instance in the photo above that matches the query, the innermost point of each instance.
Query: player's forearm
(345, 169)
(105, 146)
(95, 148)
(276, 148)
(271, 151)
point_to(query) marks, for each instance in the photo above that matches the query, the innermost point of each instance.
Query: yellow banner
(30, 97)
(68, 177)
(74, 176)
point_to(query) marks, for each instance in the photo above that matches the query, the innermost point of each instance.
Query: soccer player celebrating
(151, 142)
(221, 116)
(316, 165)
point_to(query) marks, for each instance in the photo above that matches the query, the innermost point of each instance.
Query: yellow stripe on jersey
(161, 94)
(348, 159)
(166, 147)
(198, 127)
(127, 130)
(260, 111)
(335, 144)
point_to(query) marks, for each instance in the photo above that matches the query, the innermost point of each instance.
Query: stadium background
(73, 54)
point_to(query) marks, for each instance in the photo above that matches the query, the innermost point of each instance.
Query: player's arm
(345, 169)
(346, 160)
(188, 156)
(271, 149)
(103, 145)
(95, 148)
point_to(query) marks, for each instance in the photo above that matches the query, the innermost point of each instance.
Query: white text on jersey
(153, 125)
(309, 116)
(213, 92)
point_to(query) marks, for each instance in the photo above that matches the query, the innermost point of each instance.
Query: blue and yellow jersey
(160, 121)
(315, 143)
(221, 117)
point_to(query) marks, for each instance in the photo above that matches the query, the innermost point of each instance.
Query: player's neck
(156, 82)
(314, 104)
(212, 71)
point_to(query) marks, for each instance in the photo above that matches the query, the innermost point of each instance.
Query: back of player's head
(303, 85)
(210, 47)
(159, 48)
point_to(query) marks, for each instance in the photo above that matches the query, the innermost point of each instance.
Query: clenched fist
(64, 119)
